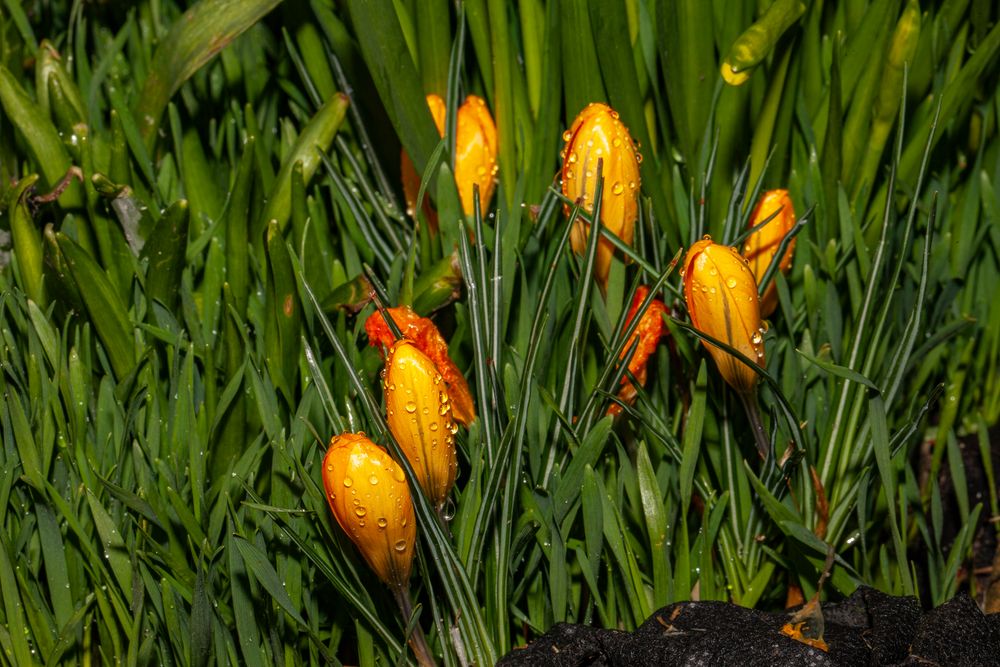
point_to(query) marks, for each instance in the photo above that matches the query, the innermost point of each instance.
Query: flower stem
(749, 400)
(417, 640)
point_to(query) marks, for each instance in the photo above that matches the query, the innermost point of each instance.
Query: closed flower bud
(370, 499)
(425, 335)
(761, 246)
(475, 155)
(648, 332)
(721, 296)
(418, 410)
(598, 134)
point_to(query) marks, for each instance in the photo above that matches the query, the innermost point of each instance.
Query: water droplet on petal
(731, 283)
(400, 546)
(360, 511)
(382, 523)
(348, 481)
(617, 188)
(411, 407)
(373, 480)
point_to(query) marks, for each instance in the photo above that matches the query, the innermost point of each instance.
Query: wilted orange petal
(424, 333)
(648, 331)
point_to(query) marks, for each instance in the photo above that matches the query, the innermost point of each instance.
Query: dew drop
(360, 511)
(617, 188)
(411, 407)
(373, 480)
(382, 523)
(755, 338)
(731, 283)
(567, 135)
(348, 481)
(433, 426)
(400, 546)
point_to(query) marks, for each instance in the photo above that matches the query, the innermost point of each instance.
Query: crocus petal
(721, 296)
(761, 246)
(418, 410)
(475, 153)
(598, 133)
(369, 498)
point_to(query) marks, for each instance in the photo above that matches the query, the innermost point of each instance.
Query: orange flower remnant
(425, 335)
(649, 331)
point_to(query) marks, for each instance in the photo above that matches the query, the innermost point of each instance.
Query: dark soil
(868, 628)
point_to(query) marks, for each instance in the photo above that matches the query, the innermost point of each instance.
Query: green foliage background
(181, 326)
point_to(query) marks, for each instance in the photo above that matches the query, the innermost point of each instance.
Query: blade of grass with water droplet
(206, 28)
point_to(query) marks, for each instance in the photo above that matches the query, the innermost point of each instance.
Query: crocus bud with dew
(425, 335)
(761, 246)
(475, 154)
(418, 410)
(721, 296)
(370, 499)
(597, 133)
(648, 332)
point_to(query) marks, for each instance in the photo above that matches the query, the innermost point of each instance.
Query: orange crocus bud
(648, 331)
(721, 296)
(597, 133)
(418, 410)
(475, 155)
(370, 500)
(425, 335)
(762, 245)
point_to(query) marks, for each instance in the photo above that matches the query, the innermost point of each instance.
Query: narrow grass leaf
(263, 572)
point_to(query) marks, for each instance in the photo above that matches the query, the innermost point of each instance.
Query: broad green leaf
(204, 29)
